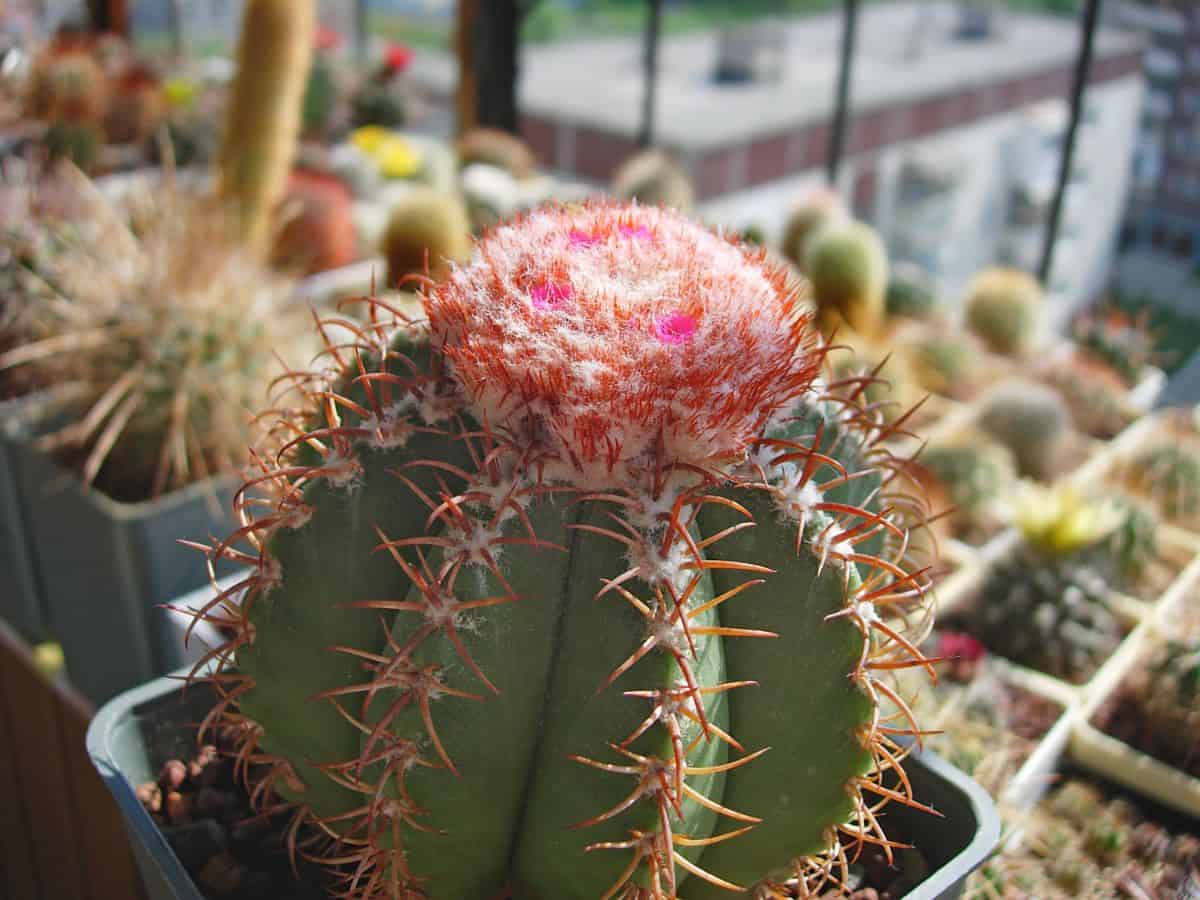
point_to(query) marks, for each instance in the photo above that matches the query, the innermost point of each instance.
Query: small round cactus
(1003, 309)
(493, 147)
(811, 213)
(1095, 396)
(317, 231)
(426, 232)
(68, 86)
(585, 542)
(945, 363)
(1170, 700)
(1030, 419)
(848, 267)
(978, 476)
(655, 178)
(911, 293)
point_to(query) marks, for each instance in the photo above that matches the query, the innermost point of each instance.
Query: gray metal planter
(106, 568)
(136, 733)
(20, 595)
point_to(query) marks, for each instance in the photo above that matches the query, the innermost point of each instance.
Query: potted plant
(159, 315)
(545, 574)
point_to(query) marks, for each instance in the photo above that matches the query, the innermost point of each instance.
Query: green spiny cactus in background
(847, 264)
(493, 147)
(546, 569)
(813, 212)
(1170, 699)
(1049, 604)
(162, 324)
(1170, 475)
(1031, 420)
(320, 96)
(945, 363)
(377, 103)
(425, 229)
(978, 476)
(264, 116)
(77, 142)
(1003, 309)
(1095, 395)
(910, 293)
(656, 178)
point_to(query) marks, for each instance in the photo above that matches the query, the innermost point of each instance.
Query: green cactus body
(379, 103)
(1051, 614)
(320, 96)
(265, 109)
(813, 212)
(946, 364)
(910, 293)
(848, 267)
(553, 603)
(977, 478)
(1003, 309)
(1032, 421)
(654, 177)
(425, 229)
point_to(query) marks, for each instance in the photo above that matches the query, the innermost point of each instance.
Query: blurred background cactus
(426, 232)
(910, 293)
(160, 327)
(812, 212)
(1031, 420)
(979, 478)
(1004, 309)
(316, 230)
(1170, 698)
(1170, 475)
(654, 177)
(846, 264)
(493, 147)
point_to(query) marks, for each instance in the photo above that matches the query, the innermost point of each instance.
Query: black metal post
(841, 107)
(650, 71)
(1083, 65)
(496, 57)
(175, 27)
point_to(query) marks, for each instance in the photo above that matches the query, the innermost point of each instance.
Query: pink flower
(551, 295)
(959, 645)
(582, 238)
(398, 58)
(675, 328)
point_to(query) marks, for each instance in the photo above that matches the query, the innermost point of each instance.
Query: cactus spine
(574, 546)
(265, 114)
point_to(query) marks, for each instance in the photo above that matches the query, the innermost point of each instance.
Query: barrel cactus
(1003, 309)
(548, 572)
(848, 267)
(426, 232)
(811, 213)
(1030, 419)
(1049, 605)
(654, 177)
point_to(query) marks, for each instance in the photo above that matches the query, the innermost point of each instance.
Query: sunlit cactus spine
(654, 177)
(427, 231)
(580, 587)
(1003, 309)
(265, 109)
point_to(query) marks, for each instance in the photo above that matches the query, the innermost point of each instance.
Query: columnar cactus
(1003, 309)
(579, 588)
(264, 117)
(848, 266)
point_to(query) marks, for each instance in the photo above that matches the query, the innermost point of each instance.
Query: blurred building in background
(953, 142)
(1161, 241)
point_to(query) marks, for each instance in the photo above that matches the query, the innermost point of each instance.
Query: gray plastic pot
(133, 735)
(21, 602)
(104, 569)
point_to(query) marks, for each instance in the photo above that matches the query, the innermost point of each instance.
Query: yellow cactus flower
(1060, 520)
(180, 93)
(369, 138)
(397, 158)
